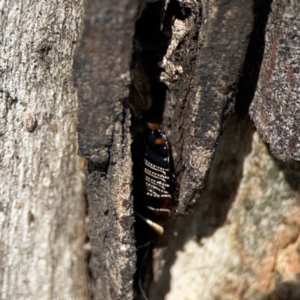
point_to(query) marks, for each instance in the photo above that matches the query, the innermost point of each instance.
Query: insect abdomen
(153, 178)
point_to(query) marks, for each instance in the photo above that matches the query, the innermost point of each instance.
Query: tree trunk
(41, 177)
(194, 67)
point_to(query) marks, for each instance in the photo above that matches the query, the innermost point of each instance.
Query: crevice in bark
(248, 81)
(147, 102)
(152, 37)
(87, 246)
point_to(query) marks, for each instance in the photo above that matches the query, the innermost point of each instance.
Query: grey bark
(41, 177)
(276, 106)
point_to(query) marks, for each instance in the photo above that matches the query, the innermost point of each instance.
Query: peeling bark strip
(202, 66)
(275, 109)
(102, 75)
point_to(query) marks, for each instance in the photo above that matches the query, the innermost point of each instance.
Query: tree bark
(276, 106)
(189, 66)
(102, 75)
(41, 176)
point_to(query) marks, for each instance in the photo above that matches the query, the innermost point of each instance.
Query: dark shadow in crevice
(286, 290)
(147, 94)
(151, 40)
(248, 81)
(211, 213)
(147, 102)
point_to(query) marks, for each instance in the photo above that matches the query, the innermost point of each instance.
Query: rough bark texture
(102, 75)
(185, 59)
(276, 106)
(41, 177)
(210, 54)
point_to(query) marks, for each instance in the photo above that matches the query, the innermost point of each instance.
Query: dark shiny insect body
(154, 180)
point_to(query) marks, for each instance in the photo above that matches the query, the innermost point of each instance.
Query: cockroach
(154, 178)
